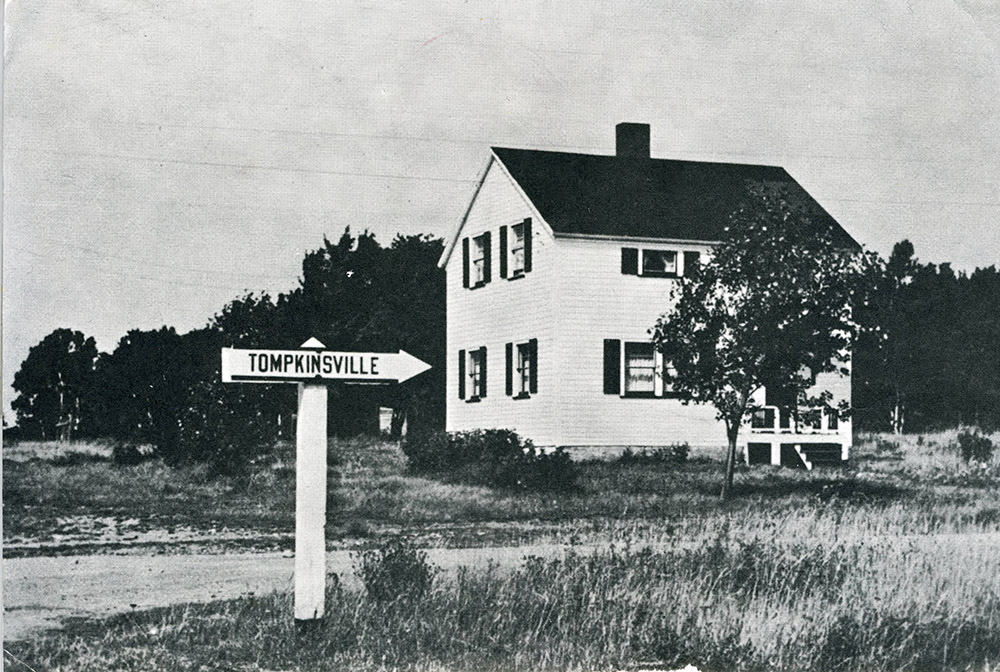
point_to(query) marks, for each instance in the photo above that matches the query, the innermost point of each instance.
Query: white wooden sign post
(312, 367)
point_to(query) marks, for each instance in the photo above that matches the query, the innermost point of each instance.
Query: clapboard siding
(503, 311)
(597, 302)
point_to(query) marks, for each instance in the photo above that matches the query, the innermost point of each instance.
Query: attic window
(659, 262)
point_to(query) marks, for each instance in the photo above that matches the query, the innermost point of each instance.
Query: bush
(75, 458)
(497, 458)
(673, 454)
(396, 570)
(975, 447)
(126, 454)
(220, 425)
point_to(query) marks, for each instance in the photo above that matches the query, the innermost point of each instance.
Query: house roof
(648, 198)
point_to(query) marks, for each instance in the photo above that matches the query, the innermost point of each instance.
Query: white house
(555, 275)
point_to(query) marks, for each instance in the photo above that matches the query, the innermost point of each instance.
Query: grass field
(891, 564)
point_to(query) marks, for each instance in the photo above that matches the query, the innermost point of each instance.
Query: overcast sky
(162, 158)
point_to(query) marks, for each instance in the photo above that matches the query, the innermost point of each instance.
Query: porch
(803, 438)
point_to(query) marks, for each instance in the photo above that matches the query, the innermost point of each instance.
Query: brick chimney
(632, 140)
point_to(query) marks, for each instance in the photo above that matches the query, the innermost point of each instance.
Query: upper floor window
(476, 258)
(479, 251)
(517, 249)
(659, 262)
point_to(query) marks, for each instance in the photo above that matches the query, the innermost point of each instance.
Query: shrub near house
(497, 458)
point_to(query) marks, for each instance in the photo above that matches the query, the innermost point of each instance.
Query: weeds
(724, 599)
(395, 571)
(673, 454)
(974, 447)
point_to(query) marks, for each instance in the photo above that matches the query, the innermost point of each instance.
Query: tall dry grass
(746, 592)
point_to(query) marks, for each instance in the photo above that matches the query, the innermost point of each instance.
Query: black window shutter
(510, 369)
(482, 371)
(487, 257)
(612, 364)
(630, 261)
(503, 251)
(527, 245)
(691, 261)
(533, 377)
(465, 262)
(461, 374)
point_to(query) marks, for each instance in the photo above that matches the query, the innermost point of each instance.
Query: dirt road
(40, 593)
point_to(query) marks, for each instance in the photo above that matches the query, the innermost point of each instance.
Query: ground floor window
(640, 368)
(635, 369)
(476, 360)
(472, 374)
(522, 369)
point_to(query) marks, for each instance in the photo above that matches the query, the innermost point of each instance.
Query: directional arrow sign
(317, 365)
(311, 366)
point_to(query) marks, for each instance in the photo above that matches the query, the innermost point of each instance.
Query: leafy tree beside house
(55, 387)
(771, 307)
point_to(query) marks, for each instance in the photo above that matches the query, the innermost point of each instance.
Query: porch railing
(777, 420)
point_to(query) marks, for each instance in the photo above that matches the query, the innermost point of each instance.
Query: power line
(243, 166)
(107, 255)
(163, 280)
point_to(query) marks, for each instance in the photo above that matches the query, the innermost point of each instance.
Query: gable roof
(648, 198)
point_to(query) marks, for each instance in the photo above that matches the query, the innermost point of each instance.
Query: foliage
(673, 454)
(975, 447)
(163, 388)
(771, 308)
(127, 454)
(55, 384)
(356, 295)
(496, 458)
(926, 356)
(395, 571)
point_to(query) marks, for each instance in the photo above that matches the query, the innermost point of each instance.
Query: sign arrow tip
(312, 343)
(410, 366)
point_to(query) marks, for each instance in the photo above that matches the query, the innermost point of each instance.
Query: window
(476, 261)
(477, 373)
(522, 369)
(479, 260)
(659, 262)
(640, 368)
(636, 369)
(472, 374)
(517, 249)
(525, 365)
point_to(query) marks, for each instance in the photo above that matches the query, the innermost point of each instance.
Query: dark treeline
(927, 356)
(930, 356)
(163, 388)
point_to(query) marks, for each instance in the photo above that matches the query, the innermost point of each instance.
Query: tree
(145, 384)
(55, 386)
(888, 365)
(771, 307)
(357, 295)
